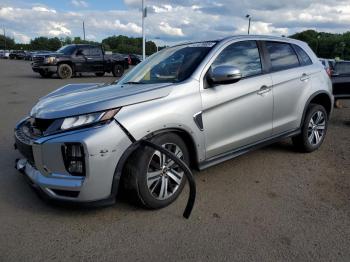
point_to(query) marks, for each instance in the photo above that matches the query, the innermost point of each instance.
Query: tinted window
(85, 50)
(95, 51)
(282, 56)
(342, 68)
(303, 56)
(243, 55)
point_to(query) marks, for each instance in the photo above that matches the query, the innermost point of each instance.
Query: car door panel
(235, 115)
(240, 113)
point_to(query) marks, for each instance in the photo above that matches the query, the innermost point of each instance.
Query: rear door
(95, 59)
(291, 82)
(237, 114)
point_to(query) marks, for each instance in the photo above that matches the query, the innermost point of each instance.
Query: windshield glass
(67, 49)
(170, 65)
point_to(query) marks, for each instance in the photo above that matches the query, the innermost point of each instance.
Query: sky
(170, 21)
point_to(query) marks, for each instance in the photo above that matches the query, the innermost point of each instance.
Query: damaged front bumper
(43, 162)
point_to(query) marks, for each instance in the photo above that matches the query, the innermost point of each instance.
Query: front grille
(38, 60)
(24, 146)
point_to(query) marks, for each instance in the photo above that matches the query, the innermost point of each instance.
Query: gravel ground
(273, 204)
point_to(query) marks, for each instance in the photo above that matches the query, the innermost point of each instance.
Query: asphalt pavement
(273, 204)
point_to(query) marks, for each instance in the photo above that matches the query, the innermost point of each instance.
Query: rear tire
(153, 186)
(313, 129)
(64, 71)
(118, 70)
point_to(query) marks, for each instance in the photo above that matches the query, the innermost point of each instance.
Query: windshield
(67, 49)
(170, 65)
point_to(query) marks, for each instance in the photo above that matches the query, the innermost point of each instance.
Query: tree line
(117, 44)
(325, 45)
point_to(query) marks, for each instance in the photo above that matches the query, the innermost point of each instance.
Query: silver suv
(206, 102)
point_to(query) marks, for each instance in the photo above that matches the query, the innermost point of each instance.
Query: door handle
(304, 77)
(264, 89)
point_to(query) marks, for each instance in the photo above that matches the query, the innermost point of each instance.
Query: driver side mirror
(224, 75)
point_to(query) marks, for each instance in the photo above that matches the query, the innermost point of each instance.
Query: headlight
(82, 120)
(50, 60)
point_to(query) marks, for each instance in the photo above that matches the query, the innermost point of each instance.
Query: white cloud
(79, 3)
(167, 29)
(176, 20)
(43, 9)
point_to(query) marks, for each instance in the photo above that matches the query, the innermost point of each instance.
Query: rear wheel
(64, 71)
(313, 130)
(118, 70)
(155, 179)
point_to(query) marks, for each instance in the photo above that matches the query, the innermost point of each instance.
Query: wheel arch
(187, 138)
(320, 98)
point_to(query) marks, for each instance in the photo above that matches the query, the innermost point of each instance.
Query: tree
(9, 42)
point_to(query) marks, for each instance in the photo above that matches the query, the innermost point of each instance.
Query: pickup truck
(341, 80)
(77, 58)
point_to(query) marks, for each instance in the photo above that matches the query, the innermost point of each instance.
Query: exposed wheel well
(323, 100)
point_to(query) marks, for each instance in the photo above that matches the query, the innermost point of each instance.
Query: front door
(238, 114)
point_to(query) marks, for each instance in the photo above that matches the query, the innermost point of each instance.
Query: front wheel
(313, 130)
(64, 71)
(118, 70)
(155, 179)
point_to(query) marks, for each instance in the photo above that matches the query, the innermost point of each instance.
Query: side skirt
(245, 149)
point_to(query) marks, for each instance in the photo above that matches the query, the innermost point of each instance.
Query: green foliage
(10, 43)
(326, 45)
(128, 45)
(44, 43)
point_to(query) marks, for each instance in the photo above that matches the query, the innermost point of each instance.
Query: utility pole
(249, 20)
(84, 29)
(144, 15)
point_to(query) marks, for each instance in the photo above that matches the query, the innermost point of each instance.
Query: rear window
(282, 56)
(303, 56)
(342, 68)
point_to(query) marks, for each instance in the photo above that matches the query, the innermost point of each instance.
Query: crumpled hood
(77, 99)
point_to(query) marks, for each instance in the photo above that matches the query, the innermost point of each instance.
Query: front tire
(313, 130)
(64, 71)
(118, 70)
(156, 180)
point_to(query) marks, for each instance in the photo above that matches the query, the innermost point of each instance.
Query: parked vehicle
(206, 102)
(72, 59)
(341, 80)
(135, 59)
(17, 54)
(328, 65)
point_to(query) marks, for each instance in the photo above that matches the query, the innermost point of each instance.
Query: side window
(95, 51)
(84, 51)
(282, 56)
(243, 55)
(303, 56)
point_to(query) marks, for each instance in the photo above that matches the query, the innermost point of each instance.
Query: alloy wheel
(164, 176)
(316, 128)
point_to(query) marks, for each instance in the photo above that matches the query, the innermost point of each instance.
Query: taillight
(329, 72)
(74, 158)
(129, 60)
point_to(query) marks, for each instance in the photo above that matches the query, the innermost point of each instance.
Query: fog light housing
(74, 158)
